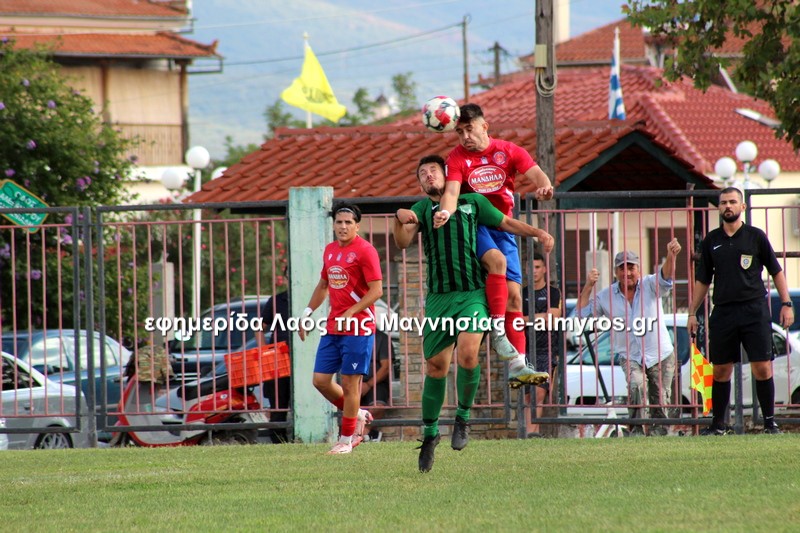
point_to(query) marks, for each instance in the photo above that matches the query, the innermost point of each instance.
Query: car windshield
(603, 351)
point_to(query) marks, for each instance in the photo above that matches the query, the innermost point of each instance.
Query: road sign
(15, 196)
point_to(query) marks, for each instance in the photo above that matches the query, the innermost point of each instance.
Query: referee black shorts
(746, 324)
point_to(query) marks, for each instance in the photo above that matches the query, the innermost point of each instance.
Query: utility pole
(497, 49)
(465, 52)
(545, 76)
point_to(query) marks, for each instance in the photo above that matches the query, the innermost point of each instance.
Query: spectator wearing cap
(644, 350)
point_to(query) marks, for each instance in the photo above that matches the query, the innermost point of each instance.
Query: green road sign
(14, 196)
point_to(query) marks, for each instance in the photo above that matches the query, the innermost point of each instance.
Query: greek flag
(616, 107)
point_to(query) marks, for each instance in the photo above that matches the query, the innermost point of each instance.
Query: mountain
(360, 43)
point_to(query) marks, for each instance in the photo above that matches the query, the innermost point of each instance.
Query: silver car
(32, 402)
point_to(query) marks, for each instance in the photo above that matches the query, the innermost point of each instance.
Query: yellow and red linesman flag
(312, 92)
(702, 377)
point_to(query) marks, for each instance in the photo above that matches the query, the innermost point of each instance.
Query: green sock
(467, 382)
(433, 391)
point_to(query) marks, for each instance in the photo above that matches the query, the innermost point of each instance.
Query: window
(48, 353)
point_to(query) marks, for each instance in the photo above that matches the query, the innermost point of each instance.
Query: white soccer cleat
(340, 448)
(363, 419)
(502, 346)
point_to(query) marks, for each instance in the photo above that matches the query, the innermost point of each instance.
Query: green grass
(743, 483)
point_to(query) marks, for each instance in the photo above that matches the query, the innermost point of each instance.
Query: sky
(360, 43)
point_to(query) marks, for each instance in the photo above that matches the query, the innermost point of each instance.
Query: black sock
(720, 396)
(765, 390)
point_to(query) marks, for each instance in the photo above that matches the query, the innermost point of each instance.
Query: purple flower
(26, 83)
(67, 239)
(51, 104)
(5, 251)
(26, 183)
(10, 172)
(2, 106)
(31, 145)
(80, 184)
(130, 290)
(36, 275)
(68, 219)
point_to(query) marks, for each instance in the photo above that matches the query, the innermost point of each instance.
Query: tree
(406, 90)
(55, 146)
(278, 116)
(770, 66)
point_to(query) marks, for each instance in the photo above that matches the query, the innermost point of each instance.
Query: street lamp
(197, 158)
(746, 152)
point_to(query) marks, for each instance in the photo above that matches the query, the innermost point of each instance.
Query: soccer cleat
(426, 451)
(502, 346)
(340, 448)
(526, 375)
(772, 430)
(716, 431)
(460, 436)
(356, 440)
(364, 419)
(658, 431)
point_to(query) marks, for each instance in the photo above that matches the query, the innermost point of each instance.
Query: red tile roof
(89, 8)
(163, 44)
(378, 161)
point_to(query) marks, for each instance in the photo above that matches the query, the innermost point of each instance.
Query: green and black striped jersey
(453, 263)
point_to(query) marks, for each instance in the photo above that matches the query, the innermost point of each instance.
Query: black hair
(432, 158)
(348, 208)
(539, 257)
(727, 190)
(470, 112)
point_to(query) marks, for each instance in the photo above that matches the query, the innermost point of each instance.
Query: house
(129, 57)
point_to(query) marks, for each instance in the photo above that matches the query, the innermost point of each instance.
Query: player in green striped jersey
(456, 291)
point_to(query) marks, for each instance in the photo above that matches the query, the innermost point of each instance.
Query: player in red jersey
(489, 166)
(351, 278)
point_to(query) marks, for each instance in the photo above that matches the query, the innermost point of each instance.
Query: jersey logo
(487, 179)
(500, 158)
(465, 208)
(717, 246)
(350, 257)
(745, 261)
(484, 161)
(339, 256)
(337, 277)
(355, 365)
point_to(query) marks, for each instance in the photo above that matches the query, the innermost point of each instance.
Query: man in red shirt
(351, 278)
(489, 166)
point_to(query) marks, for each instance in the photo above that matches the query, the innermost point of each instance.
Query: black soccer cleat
(460, 436)
(426, 451)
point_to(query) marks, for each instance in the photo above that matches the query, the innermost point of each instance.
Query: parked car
(585, 396)
(200, 353)
(52, 352)
(31, 401)
(775, 307)
(3, 436)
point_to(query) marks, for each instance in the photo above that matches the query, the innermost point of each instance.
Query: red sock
(515, 336)
(348, 426)
(496, 294)
(339, 403)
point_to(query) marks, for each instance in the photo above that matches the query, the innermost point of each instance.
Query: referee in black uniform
(734, 255)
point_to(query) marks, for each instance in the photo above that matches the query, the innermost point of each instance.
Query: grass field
(734, 483)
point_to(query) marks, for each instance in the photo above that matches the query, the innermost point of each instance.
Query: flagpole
(308, 113)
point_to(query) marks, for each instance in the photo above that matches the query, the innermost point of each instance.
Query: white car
(32, 402)
(585, 395)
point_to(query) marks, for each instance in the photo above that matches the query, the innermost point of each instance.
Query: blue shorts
(350, 354)
(489, 238)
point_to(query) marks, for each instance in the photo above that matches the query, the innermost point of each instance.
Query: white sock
(346, 440)
(517, 362)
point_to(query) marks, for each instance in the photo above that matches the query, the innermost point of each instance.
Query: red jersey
(490, 172)
(348, 270)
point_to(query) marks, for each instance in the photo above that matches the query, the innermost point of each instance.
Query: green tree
(770, 66)
(406, 90)
(54, 145)
(278, 116)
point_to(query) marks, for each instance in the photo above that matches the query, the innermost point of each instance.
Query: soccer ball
(440, 114)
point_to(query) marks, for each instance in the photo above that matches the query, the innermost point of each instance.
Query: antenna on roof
(758, 117)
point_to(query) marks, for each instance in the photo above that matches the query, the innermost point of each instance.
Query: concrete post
(310, 230)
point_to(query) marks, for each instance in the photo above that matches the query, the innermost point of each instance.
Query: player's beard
(431, 190)
(730, 216)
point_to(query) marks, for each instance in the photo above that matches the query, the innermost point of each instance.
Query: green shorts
(450, 313)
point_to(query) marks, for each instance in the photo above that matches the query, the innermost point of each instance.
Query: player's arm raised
(544, 189)
(447, 204)
(405, 228)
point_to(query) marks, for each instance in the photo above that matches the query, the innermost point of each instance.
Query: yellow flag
(312, 92)
(702, 377)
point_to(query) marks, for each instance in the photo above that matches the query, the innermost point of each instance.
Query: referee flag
(616, 107)
(702, 377)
